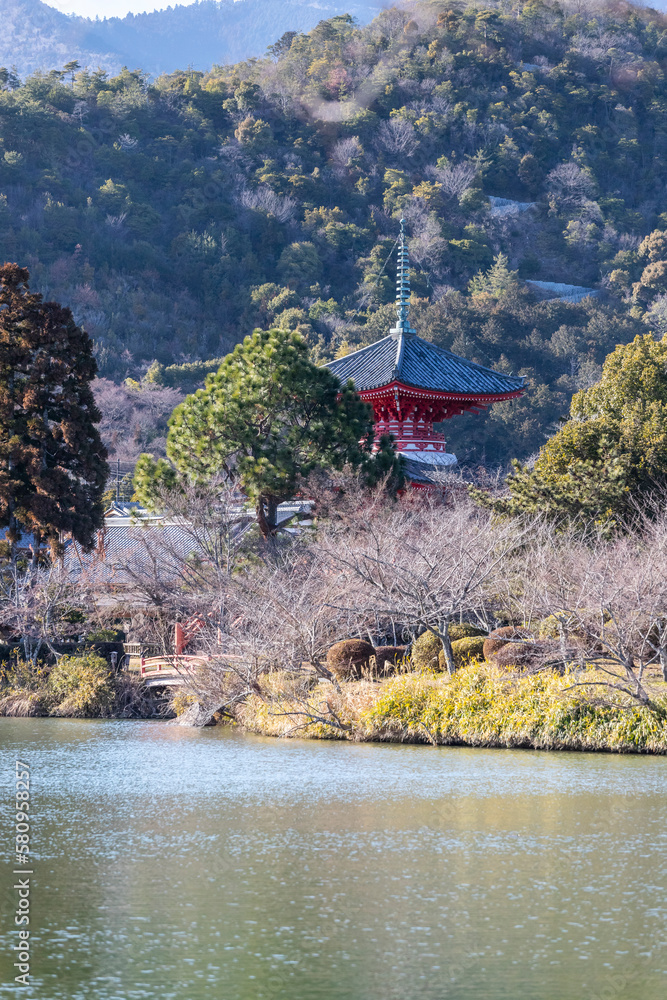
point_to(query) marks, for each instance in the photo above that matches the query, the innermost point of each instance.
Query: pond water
(174, 863)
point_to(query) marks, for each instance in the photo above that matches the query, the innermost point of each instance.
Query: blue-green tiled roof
(416, 362)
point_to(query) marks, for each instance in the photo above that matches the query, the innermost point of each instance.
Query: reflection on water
(184, 864)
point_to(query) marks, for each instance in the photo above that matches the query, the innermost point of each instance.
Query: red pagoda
(412, 385)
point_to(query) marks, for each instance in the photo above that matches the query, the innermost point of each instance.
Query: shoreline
(479, 706)
(378, 740)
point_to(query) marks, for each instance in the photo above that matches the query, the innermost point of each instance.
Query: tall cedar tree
(53, 465)
(268, 418)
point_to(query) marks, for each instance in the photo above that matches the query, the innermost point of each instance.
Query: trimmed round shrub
(550, 627)
(388, 657)
(465, 631)
(467, 649)
(500, 637)
(105, 635)
(348, 659)
(518, 656)
(425, 652)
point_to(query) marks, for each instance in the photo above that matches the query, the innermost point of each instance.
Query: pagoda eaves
(412, 384)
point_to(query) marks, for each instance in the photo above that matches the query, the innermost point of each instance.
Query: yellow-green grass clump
(82, 686)
(23, 689)
(482, 705)
(79, 686)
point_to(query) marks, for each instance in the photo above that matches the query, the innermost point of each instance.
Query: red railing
(184, 632)
(155, 664)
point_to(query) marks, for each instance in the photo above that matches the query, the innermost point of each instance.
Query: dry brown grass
(24, 705)
(315, 711)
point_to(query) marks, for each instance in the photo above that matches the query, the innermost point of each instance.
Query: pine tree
(268, 418)
(53, 465)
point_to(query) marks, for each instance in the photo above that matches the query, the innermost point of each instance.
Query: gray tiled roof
(133, 537)
(416, 362)
(422, 472)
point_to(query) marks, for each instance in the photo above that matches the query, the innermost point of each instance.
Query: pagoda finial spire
(402, 287)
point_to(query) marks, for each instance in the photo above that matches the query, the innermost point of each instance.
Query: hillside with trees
(525, 146)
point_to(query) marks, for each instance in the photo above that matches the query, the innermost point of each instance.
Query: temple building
(412, 385)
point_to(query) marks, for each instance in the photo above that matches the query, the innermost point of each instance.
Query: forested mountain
(523, 144)
(36, 36)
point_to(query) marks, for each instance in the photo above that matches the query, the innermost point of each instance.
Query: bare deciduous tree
(427, 246)
(454, 180)
(180, 563)
(397, 136)
(569, 184)
(427, 564)
(266, 200)
(344, 152)
(127, 142)
(284, 615)
(606, 600)
(134, 420)
(46, 605)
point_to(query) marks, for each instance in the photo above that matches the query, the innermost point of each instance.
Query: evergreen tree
(497, 281)
(611, 453)
(283, 45)
(52, 461)
(268, 418)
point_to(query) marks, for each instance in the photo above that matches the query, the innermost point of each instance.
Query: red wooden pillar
(179, 639)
